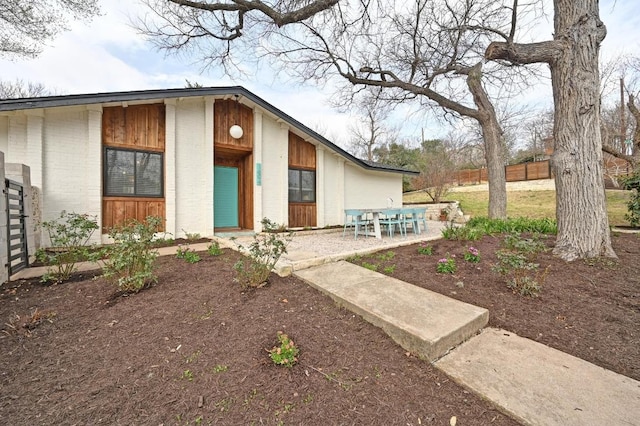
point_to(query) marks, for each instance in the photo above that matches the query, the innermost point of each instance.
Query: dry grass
(533, 204)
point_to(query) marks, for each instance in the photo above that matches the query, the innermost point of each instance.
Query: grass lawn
(534, 204)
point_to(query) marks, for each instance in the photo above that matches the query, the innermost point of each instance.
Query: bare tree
(19, 89)
(437, 169)
(427, 52)
(372, 131)
(583, 225)
(26, 25)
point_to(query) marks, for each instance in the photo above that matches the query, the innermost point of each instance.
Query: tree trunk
(583, 225)
(493, 144)
(581, 210)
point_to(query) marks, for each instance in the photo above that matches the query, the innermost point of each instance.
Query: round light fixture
(236, 131)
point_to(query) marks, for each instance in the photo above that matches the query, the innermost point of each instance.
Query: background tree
(437, 169)
(372, 130)
(27, 25)
(399, 154)
(19, 89)
(583, 225)
(426, 51)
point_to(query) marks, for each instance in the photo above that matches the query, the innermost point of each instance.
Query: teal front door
(225, 197)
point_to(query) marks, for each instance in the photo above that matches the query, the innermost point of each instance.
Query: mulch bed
(589, 309)
(192, 350)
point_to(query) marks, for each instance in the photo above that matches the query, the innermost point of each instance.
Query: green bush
(517, 263)
(69, 235)
(264, 252)
(187, 254)
(214, 248)
(131, 257)
(633, 205)
(286, 353)
(510, 225)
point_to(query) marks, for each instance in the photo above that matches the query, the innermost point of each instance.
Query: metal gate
(17, 254)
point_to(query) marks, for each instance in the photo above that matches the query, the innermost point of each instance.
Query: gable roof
(143, 95)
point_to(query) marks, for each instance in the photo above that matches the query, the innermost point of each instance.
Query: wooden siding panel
(113, 126)
(135, 127)
(302, 154)
(302, 215)
(119, 210)
(226, 113)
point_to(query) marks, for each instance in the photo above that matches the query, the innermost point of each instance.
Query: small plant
(460, 233)
(516, 262)
(446, 265)
(472, 255)
(533, 245)
(426, 249)
(389, 255)
(264, 252)
(370, 266)
(191, 236)
(389, 269)
(132, 258)
(214, 249)
(219, 369)
(188, 375)
(286, 354)
(69, 235)
(188, 255)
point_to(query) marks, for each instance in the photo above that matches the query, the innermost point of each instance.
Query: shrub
(214, 248)
(633, 205)
(426, 249)
(461, 233)
(472, 255)
(286, 353)
(132, 257)
(488, 226)
(188, 255)
(264, 252)
(516, 262)
(69, 235)
(191, 235)
(533, 245)
(446, 265)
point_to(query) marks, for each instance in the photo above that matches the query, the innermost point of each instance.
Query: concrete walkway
(533, 383)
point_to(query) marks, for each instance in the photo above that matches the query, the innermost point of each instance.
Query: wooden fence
(514, 173)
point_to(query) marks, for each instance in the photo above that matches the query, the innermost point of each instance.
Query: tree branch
(530, 53)
(279, 18)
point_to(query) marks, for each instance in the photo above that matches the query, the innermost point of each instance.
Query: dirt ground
(192, 350)
(589, 309)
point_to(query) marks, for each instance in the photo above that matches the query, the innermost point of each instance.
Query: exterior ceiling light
(236, 131)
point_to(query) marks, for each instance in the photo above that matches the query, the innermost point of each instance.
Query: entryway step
(421, 321)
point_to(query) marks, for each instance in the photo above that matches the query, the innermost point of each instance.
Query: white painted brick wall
(368, 189)
(275, 163)
(193, 165)
(72, 173)
(4, 274)
(4, 134)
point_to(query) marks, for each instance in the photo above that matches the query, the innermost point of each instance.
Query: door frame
(243, 161)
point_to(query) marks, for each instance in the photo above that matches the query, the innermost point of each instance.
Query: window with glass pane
(302, 186)
(133, 173)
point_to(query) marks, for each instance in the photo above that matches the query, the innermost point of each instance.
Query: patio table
(375, 213)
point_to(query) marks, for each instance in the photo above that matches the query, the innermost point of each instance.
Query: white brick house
(169, 152)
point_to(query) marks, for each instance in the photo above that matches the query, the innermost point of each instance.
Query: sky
(107, 55)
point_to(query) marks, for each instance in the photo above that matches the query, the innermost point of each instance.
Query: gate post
(4, 258)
